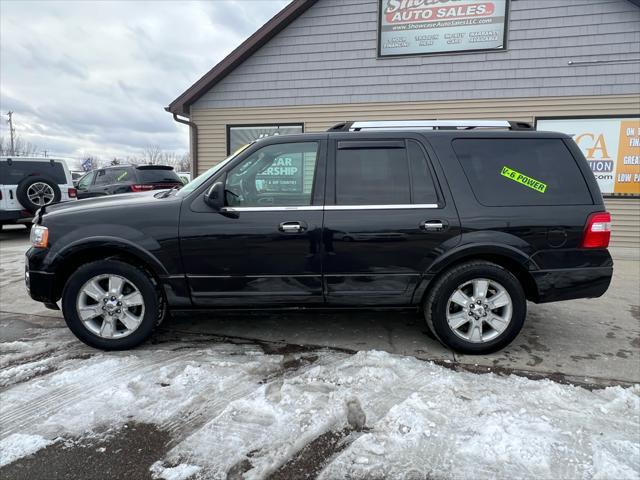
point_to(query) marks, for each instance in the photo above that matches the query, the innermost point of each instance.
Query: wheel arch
(507, 257)
(76, 255)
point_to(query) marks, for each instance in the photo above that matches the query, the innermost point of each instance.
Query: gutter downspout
(194, 143)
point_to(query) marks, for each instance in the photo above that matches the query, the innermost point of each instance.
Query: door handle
(434, 225)
(291, 227)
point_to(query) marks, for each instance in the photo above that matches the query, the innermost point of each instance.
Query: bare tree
(152, 155)
(184, 163)
(21, 148)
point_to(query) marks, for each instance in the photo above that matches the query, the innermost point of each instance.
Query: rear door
(109, 181)
(386, 219)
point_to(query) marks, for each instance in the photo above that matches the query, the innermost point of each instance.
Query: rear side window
(157, 175)
(111, 176)
(513, 172)
(372, 176)
(14, 172)
(383, 173)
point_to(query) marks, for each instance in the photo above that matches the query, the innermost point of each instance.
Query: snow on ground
(21, 360)
(228, 406)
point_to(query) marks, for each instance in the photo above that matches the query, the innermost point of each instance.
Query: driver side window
(85, 182)
(274, 176)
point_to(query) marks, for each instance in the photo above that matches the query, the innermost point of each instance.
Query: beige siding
(212, 123)
(625, 213)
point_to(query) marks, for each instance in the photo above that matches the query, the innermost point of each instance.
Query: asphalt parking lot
(593, 341)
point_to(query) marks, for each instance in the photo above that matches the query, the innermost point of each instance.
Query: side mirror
(214, 197)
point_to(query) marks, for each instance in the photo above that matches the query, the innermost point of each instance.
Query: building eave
(282, 19)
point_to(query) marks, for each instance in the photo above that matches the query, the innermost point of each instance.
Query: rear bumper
(15, 216)
(572, 283)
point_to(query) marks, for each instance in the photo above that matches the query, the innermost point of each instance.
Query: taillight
(597, 231)
(73, 193)
(141, 188)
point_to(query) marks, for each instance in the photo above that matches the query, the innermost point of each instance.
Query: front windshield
(203, 177)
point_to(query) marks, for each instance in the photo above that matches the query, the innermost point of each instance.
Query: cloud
(93, 78)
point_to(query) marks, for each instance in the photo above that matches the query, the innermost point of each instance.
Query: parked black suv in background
(125, 179)
(463, 220)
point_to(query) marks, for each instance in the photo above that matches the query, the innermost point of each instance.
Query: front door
(264, 248)
(386, 218)
(84, 185)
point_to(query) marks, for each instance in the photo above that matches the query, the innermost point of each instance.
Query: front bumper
(41, 285)
(571, 283)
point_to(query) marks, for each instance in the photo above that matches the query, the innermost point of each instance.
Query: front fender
(142, 248)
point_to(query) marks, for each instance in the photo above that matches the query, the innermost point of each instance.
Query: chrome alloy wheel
(110, 306)
(479, 310)
(40, 194)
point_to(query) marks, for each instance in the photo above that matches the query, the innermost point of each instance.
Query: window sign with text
(284, 175)
(420, 27)
(611, 146)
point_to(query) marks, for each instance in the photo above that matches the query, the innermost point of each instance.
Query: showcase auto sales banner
(412, 27)
(611, 146)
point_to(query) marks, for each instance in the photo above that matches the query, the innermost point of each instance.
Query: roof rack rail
(429, 125)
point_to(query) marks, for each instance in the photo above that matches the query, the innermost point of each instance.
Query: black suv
(126, 179)
(465, 221)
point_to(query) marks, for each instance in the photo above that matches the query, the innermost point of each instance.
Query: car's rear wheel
(477, 307)
(111, 305)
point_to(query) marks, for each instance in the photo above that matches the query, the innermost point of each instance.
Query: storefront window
(239, 135)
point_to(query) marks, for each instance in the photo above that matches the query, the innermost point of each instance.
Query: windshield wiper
(168, 192)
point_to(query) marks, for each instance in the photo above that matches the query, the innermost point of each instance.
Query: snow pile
(233, 408)
(426, 421)
(179, 472)
(19, 445)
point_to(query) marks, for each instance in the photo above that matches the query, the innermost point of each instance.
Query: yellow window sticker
(521, 178)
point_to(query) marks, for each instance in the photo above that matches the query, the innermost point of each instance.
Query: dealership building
(563, 65)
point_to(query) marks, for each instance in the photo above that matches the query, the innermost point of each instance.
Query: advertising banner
(418, 27)
(611, 146)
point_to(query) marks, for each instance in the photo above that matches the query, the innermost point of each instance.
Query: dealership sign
(610, 145)
(417, 27)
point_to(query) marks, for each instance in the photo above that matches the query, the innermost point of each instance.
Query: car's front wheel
(477, 307)
(111, 305)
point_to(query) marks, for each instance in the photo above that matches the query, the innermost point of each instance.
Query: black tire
(23, 197)
(436, 304)
(153, 304)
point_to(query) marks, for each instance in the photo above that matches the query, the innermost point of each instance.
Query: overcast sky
(93, 77)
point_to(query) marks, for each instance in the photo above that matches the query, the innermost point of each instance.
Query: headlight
(40, 236)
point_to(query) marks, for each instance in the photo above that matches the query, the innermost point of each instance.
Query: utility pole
(12, 131)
